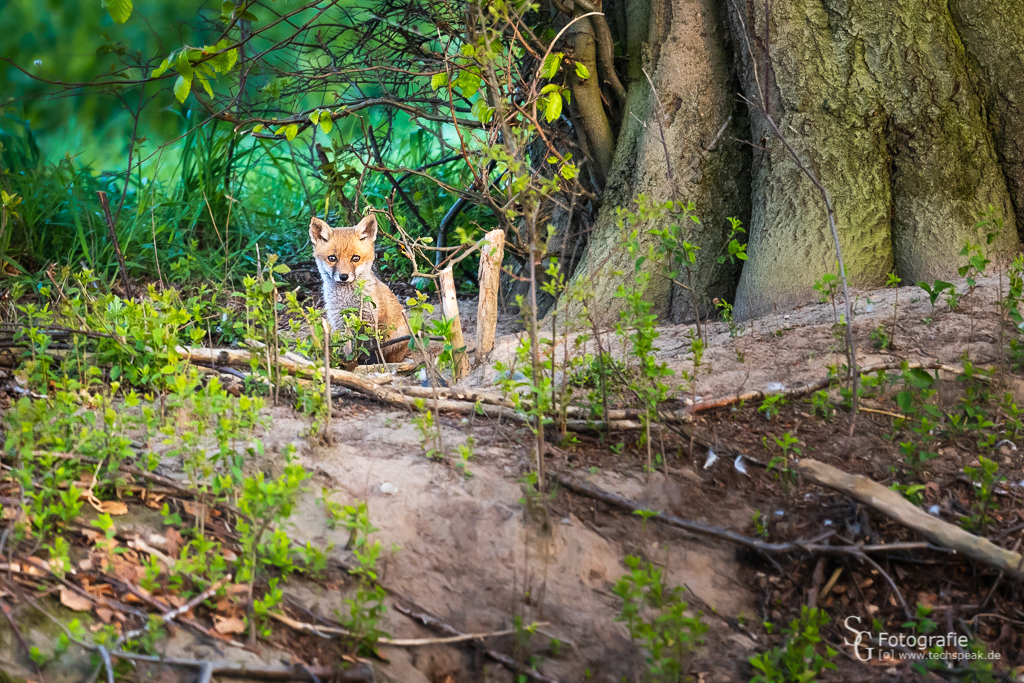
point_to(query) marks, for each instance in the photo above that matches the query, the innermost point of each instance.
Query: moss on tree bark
(911, 112)
(879, 100)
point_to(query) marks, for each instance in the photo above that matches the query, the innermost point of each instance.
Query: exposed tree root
(810, 546)
(330, 632)
(810, 388)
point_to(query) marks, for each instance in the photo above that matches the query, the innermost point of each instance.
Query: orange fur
(344, 257)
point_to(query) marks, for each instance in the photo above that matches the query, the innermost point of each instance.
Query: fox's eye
(332, 258)
(355, 258)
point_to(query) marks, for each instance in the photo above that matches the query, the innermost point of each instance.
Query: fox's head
(343, 255)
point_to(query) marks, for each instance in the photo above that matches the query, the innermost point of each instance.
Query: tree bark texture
(911, 113)
(882, 102)
(683, 46)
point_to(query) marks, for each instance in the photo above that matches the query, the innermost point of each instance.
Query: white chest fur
(339, 298)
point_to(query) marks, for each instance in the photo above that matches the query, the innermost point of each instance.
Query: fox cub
(344, 257)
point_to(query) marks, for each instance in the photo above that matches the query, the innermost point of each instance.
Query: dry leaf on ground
(229, 625)
(74, 601)
(112, 507)
(174, 541)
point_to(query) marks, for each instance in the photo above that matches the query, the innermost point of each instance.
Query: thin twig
(117, 246)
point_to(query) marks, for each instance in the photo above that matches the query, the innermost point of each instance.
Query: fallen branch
(144, 597)
(811, 387)
(174, 612)
(329, 632)
(435, 623)
(893, 505)
(349, 380)
(812, 546)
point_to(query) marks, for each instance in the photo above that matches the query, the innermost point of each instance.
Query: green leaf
(206, 86)
(438, 80)
(282, 268)
(582, 72)
(552, 106)
(160, 70)
(482, 111)
(905, 400)
(551, 65)
(183, 66)
(119, 10)
(468, 82)
(182, 88)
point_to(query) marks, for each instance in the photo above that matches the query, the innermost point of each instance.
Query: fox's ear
(367, 228)
(319, 231)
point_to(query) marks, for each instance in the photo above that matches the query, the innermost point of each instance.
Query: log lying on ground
(363, 384)
(893, 505)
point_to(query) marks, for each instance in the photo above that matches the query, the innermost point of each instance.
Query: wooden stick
(492, 251)
(117, 247)
(450, 310)
(327, 376)
(893, 505)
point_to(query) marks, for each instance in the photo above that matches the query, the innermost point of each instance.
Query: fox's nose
(343, 277)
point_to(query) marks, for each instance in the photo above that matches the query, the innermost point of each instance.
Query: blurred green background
(200, 199)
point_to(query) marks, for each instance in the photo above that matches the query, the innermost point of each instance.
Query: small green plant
(367, 607)
(912, 492)
(821, 405)
(725, 312)
(934, 291)
(430, 431)
(760, 521)
(645, 515)
(334, 511)
(828, 288)
(465, 453)
(263, 502)
(798, 659)
(880, 338)
(772, 405)
(781, 464)
(985, 476)
(656, 617)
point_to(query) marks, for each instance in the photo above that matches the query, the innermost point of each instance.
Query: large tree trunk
(880, 101)
(683, 47)
(911, 112)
